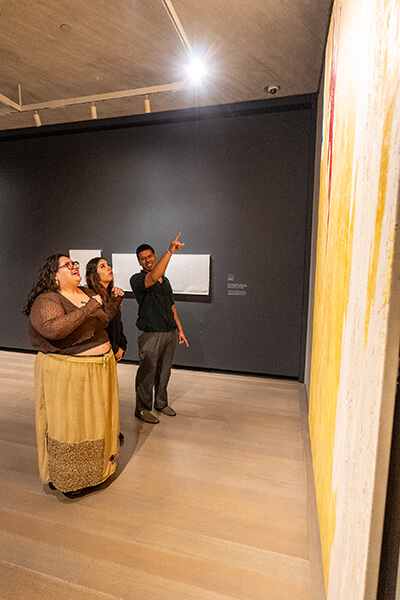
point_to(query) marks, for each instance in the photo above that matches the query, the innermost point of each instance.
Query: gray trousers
(156, 353)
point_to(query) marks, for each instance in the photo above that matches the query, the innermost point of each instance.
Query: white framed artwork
(189, 274)
(124, 266)
(83, 257)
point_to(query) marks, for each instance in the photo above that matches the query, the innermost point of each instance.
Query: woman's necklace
(74, 298)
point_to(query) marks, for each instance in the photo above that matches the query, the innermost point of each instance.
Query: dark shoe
(167, 410)
(121, 437)
(146, 416)
(74, 494)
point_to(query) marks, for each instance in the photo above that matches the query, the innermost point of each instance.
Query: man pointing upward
(158, 322)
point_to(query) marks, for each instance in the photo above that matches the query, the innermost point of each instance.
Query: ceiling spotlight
(196, 70)
(272, 89)
(93, 111)
(36, 117)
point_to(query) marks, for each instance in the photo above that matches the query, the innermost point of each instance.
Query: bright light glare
(197, 70)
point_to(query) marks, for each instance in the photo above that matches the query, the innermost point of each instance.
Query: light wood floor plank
(17, 583)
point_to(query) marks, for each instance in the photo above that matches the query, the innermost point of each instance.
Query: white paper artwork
(189, 273)
(83, 257)
(124, 266)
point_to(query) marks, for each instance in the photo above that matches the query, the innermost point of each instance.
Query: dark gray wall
(238, 186)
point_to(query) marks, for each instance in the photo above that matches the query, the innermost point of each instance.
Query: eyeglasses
(70, 265)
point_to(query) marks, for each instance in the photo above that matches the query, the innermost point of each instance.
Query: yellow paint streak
(333, 273)
(389, 278)
(380, 211)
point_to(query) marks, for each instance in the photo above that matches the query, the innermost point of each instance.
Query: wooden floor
(215, 503)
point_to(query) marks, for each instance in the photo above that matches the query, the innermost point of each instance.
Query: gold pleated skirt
(77, 419)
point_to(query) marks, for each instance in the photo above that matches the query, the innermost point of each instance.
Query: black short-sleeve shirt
(155, 302)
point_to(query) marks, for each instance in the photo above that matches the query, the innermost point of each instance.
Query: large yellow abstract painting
(359, 195)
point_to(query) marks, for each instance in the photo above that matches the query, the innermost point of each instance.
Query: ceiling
(62, 49)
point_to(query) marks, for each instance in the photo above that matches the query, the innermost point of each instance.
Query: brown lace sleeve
(49, 319)
(112, 307)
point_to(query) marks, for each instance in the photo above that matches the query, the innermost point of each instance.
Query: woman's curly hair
(93, 280)
(45, 281)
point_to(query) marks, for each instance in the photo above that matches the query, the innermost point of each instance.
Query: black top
(116, 333)
(155, 302)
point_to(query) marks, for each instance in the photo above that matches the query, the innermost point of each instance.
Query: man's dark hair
(142, 247)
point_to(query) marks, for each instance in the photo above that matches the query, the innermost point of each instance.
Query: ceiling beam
(177, 24)
(177, 86)
(8, 102)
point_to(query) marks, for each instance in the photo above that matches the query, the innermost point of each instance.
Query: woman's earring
(57, 283)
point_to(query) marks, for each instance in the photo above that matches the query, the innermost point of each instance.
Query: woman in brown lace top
(77, 421)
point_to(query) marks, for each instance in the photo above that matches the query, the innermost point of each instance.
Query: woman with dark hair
(100, 279)
(76, 389)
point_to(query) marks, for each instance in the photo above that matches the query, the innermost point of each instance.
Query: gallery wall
(357, 300)
(236, 181)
